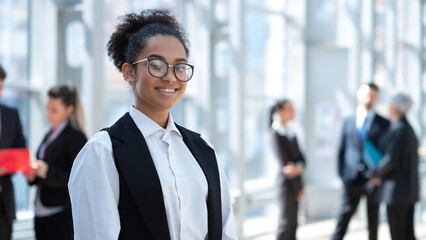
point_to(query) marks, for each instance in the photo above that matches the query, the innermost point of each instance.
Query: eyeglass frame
(149, 59)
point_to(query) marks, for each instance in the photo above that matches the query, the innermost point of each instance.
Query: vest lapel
(206, 158)
(137, 168)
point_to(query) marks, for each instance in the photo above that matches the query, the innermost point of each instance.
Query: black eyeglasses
(158, 68)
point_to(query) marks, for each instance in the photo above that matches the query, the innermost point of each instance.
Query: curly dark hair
(134, 30)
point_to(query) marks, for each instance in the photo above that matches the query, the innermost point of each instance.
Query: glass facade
(247, 54)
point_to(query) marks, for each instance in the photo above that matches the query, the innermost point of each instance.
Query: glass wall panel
(322, 24)
(256, 140)
(265, 63)
(14, 39)
(275, 5)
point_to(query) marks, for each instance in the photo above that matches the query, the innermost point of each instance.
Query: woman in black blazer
(397, 172)
(53, 218)
(291, 164)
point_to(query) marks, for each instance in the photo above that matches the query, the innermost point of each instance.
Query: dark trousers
(351, 198)
(287, 225)
(5, 224)
(57, 226)
(401, 222)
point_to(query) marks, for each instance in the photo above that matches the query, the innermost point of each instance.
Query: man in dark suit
(10, 137)
(364, 125)
(397, 173)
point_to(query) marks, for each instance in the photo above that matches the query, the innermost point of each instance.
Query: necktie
(363, 130)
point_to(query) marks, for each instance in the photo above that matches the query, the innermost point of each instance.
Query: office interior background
(247, 54)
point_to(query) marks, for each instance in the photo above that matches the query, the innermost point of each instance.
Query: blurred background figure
(10, 137)
(53, 218)
(291, 165)
(364, 125)
(397, 173)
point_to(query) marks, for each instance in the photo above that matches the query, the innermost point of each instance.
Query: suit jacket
(59, 155)
(350, 148)
(399, 166)
(11, 137)
(141, 205)
(287, 150)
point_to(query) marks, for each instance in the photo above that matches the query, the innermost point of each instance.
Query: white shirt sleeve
(228, 224)
(94, 191)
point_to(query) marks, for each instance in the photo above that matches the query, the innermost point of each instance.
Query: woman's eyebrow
(156, 56)
(163, 58)
(181, 60)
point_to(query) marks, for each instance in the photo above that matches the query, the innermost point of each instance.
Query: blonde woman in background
(53, 218)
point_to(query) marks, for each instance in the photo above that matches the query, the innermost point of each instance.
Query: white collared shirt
(94, 186)
(361, 113)
(282, 130)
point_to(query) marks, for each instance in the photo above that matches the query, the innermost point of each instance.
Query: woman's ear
(128, 73)
(69, 110)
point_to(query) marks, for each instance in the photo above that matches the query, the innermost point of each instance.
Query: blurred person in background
(291, 164)
(146, 177)
(11, 136)
(397, 173)
(355, 174)
(55, 156)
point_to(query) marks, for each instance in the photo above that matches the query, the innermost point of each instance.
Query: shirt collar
(147, 126)
(54, 134)
(62, 126)
(280, 129)
(362, 112)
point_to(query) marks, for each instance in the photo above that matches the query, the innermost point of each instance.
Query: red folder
(15, 160)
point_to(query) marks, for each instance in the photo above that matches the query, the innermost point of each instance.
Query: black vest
(141, 203)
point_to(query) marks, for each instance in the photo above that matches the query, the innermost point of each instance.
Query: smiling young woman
(154, 96)
(146, 177)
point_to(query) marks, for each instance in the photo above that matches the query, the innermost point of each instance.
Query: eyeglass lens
(158, 68)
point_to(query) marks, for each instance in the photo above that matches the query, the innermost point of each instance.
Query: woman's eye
(181, 68)
(155, 66)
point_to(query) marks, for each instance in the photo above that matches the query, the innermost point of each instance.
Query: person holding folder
(53, 218)
(355, 173)
(11, 136)
(146, 177)
(397, 173)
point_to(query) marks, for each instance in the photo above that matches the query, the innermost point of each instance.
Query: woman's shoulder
(100, 139)
(75, 133)
(7, 108)
(98, 144)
